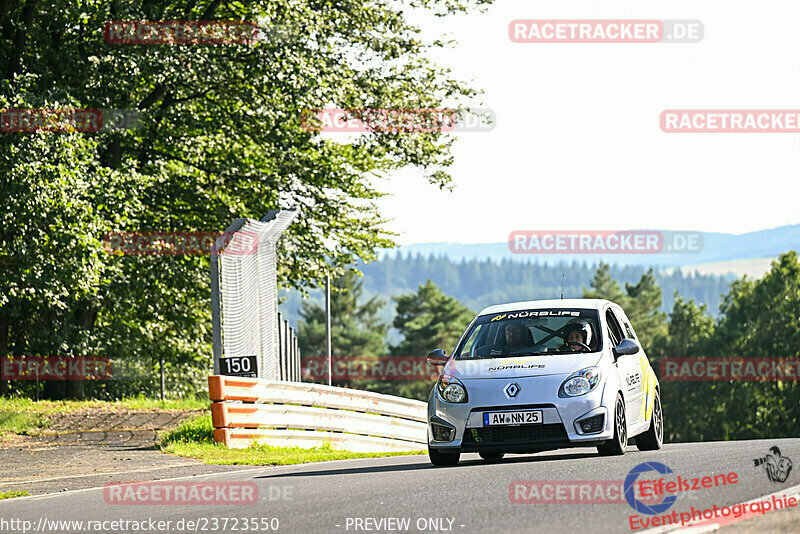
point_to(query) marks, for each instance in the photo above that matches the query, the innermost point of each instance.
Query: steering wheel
(580, 344)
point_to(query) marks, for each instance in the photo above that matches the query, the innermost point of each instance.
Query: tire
(492, 456)
(617, 445)
(653, 439)
(443, 458)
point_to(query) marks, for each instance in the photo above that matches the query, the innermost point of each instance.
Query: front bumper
(560, 417)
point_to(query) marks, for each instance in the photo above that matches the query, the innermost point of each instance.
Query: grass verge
(26, 416)
(132, 403)
(194, 439)
(21, 422)
(12, 494)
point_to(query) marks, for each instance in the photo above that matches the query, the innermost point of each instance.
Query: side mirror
(626, 346)
(437, 358)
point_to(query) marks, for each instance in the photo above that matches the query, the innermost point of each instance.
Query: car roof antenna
(562, 286)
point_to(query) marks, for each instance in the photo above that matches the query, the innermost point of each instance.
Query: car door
(629, 370)
(648, 376)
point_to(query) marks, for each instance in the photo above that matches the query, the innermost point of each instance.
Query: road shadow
(423, 465)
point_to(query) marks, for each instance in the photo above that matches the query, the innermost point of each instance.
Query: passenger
(578, 336)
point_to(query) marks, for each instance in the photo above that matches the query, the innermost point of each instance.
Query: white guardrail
(278, 413)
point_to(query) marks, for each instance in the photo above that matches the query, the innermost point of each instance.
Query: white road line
(37, 480)
(272, 469)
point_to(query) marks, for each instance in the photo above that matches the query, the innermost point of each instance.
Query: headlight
(451, 389)
(580, 383)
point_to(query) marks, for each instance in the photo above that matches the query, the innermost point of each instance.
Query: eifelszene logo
(636, 504)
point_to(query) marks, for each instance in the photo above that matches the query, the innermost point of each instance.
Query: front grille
(595, 424)
(523, 434)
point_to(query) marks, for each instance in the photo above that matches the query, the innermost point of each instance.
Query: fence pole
(297, 372)
(328, 326)
(281, 343)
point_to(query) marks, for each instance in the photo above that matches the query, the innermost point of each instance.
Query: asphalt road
(472, 497)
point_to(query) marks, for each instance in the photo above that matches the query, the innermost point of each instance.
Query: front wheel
(617, 446)
(653, 439)
(443, 458)
(491, 456)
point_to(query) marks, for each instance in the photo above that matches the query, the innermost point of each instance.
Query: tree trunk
(85, 318)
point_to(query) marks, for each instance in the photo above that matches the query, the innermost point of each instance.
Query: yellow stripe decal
(645, 387)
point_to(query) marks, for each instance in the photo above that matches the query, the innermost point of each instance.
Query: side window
(629, 331)
(621, 319)
(614, 331)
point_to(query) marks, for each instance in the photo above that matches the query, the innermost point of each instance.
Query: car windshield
(560, 331)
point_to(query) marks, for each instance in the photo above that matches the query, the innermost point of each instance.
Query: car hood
(521, 366)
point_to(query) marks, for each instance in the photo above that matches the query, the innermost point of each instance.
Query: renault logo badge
(512, 389)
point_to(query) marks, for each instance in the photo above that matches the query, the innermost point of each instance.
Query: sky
(577, 142)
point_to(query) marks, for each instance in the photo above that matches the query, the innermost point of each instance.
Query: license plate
(527, 417)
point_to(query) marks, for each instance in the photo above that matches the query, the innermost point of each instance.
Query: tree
(761, 320)
(429, 319)
(220, 135)
(642, 305)
(604, 287)
(686, 406)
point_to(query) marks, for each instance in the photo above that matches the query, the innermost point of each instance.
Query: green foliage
(195, 430)
(21, 422)
(220, 136)
(12, 494)
(759, 320)
(641, 305)
(641, 302)
(687, 406)
(604, 287)
(139, 402)
(429, 319)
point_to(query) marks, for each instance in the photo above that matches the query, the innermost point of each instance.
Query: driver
(517, 336)
(578, 335)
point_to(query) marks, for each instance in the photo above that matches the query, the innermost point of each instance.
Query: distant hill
(481, 283)
(717, 248)
(752, 267)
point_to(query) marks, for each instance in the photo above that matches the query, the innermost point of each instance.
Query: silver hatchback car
(541, 375)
